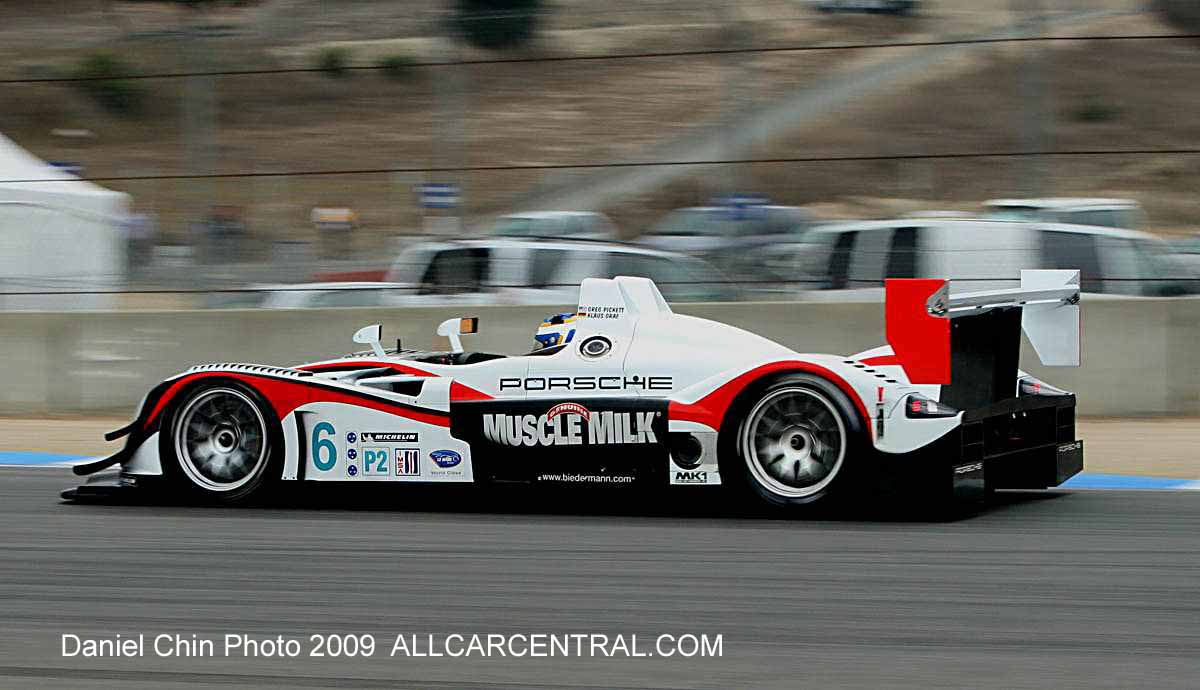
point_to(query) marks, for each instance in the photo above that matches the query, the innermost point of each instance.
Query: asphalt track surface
(1089, 589)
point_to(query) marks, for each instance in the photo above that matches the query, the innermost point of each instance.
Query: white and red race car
(640, 395)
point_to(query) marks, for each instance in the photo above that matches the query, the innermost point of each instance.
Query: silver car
(574, 225)
(730, 238)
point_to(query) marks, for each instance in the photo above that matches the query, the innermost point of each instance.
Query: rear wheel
(796, 442)
(222, 437)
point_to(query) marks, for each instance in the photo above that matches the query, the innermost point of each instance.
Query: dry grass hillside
(575, 112)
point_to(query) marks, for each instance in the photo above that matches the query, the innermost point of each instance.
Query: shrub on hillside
(334, 62)
(1185, 13)
(396, 66)
(100, 78)
(496, 24)
(1093, 109)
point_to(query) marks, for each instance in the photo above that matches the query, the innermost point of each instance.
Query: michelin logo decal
(570, 424)
(387, 437)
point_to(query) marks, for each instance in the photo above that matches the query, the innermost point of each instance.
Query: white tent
(57, 233)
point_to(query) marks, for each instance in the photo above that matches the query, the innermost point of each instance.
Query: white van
(982, 255)
(1106, 213)
(519, 271)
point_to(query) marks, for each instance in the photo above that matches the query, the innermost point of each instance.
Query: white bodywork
(392, 417)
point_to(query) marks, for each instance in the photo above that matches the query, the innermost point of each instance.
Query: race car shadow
(709, 502)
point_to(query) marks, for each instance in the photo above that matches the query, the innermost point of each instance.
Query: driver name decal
(606, 311)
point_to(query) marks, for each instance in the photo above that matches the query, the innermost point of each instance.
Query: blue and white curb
(21, 458)
(1088, 480)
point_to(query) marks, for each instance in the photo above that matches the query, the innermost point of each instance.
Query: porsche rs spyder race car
(629, 393)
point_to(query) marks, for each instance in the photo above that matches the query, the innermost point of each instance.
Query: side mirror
(453, 328)
(371, 335)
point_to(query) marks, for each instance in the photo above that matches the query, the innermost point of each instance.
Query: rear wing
(941, 338)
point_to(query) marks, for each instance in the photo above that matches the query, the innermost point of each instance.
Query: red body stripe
(460, 392)
(920, 340)
(285, 396)
(881, 361)
(711, 408)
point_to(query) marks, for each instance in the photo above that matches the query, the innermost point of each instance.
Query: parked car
(574, 225)
(981, 255)
(728, 237)
(869, 6)
(1107, 213)
(310, 296)
(1186, 253)
(522, 271)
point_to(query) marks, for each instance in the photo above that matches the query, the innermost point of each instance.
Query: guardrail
(1141, 356)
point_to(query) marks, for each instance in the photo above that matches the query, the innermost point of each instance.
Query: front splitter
(106, 486)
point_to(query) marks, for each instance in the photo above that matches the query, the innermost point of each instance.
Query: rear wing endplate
(918, 313)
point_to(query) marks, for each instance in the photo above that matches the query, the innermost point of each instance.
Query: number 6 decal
(324, 453)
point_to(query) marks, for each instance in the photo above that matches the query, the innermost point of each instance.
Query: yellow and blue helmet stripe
(556, 330)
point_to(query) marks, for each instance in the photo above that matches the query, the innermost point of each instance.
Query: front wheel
(796, 442)
(222, 438)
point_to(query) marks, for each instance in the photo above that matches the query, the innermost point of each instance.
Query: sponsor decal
(352, 470)
(580, 436)
(408, 462)
(389, 437)
(966, 469)
(375, 460)
(352, 453)
(571, 424)
(595, 347)
(1070, 447)
(574, 478)
(691, 477)
(563, 408)
(445, 458)
(587, 383)
(351, 437)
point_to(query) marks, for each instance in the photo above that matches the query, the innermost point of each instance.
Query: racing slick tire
(221, 442)
(797, 441)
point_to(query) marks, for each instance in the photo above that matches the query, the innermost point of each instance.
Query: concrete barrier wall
(1141, 356)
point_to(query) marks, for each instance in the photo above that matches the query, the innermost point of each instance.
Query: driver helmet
(556, 330)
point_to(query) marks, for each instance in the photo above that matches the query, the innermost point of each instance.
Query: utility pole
(1031, 89)
(734, 88)
(199, 132)
(450, 132)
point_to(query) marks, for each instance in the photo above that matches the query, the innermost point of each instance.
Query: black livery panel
(602, 441)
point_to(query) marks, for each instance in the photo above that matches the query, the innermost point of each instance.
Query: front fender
(136, 434)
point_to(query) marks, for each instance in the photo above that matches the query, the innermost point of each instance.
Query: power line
(865, 282)
(613, 56)
(622, 164)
